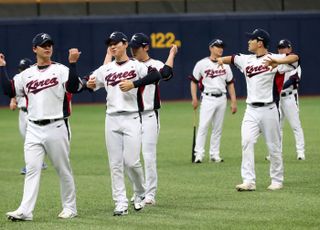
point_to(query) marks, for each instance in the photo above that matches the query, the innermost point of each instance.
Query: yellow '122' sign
(164, 40)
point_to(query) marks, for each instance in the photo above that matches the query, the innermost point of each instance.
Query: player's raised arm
(108, 57)
(74, 83)
(166, 72)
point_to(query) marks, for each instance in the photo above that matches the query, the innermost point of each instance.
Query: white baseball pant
(263, 120)
(23, 121)
(123, 141)
(289, 109)
(212, 110)
(150, 134)
(52, 139)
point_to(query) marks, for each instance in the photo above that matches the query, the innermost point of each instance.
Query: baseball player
(261, 115)
(21, 104)
(213, 81)
(123, 120)
(289, 105)
(45, 84)
(139, 46)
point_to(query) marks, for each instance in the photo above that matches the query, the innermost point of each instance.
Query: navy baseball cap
(139, 40)
(284, 43)
(260, 35)
(42, 38)
(217, 42)
(24, 63)
(116, 37)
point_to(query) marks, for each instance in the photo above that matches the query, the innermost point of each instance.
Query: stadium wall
(191, 32)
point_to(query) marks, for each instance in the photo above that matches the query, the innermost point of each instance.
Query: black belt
(45, 122)
(24, 109)
(260, 104)
(214, 95)
(284, 94)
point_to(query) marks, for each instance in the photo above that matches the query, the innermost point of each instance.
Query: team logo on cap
(134, 37)
(113, 35)
(45, 36)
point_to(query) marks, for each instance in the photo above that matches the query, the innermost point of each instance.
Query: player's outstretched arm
(152, 77)
(224, 60)
(274, 62)
(233, 98)
(7, 85)
(74, 83)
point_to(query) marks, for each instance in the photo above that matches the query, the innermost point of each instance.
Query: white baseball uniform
(47, 131)
(150, 130)
(212, 81)
(123, 126)
(261, 115)
(289, 108)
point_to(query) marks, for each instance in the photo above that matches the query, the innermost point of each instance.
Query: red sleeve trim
(232, 59)
(192, 78)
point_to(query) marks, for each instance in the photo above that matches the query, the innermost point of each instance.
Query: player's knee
(132, 164)
(247, 143)
(150, 163)
(274, 148)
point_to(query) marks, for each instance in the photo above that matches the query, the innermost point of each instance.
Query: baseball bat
(194, 136)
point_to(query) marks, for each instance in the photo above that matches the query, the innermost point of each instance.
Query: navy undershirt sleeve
(151, 77)
(6, 83)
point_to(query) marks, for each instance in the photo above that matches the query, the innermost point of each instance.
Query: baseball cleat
(198, 159)
(267, 158)
(120, 210)
(23, 171)
(67, 214)
(139, 203)
(275, 186)
(18, 216)
(246, 187)
(44, 166)
(150, 201)
(216, 159)
(301, 157)
(120, 213)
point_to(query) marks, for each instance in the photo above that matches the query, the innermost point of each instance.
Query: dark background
(193, 30)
